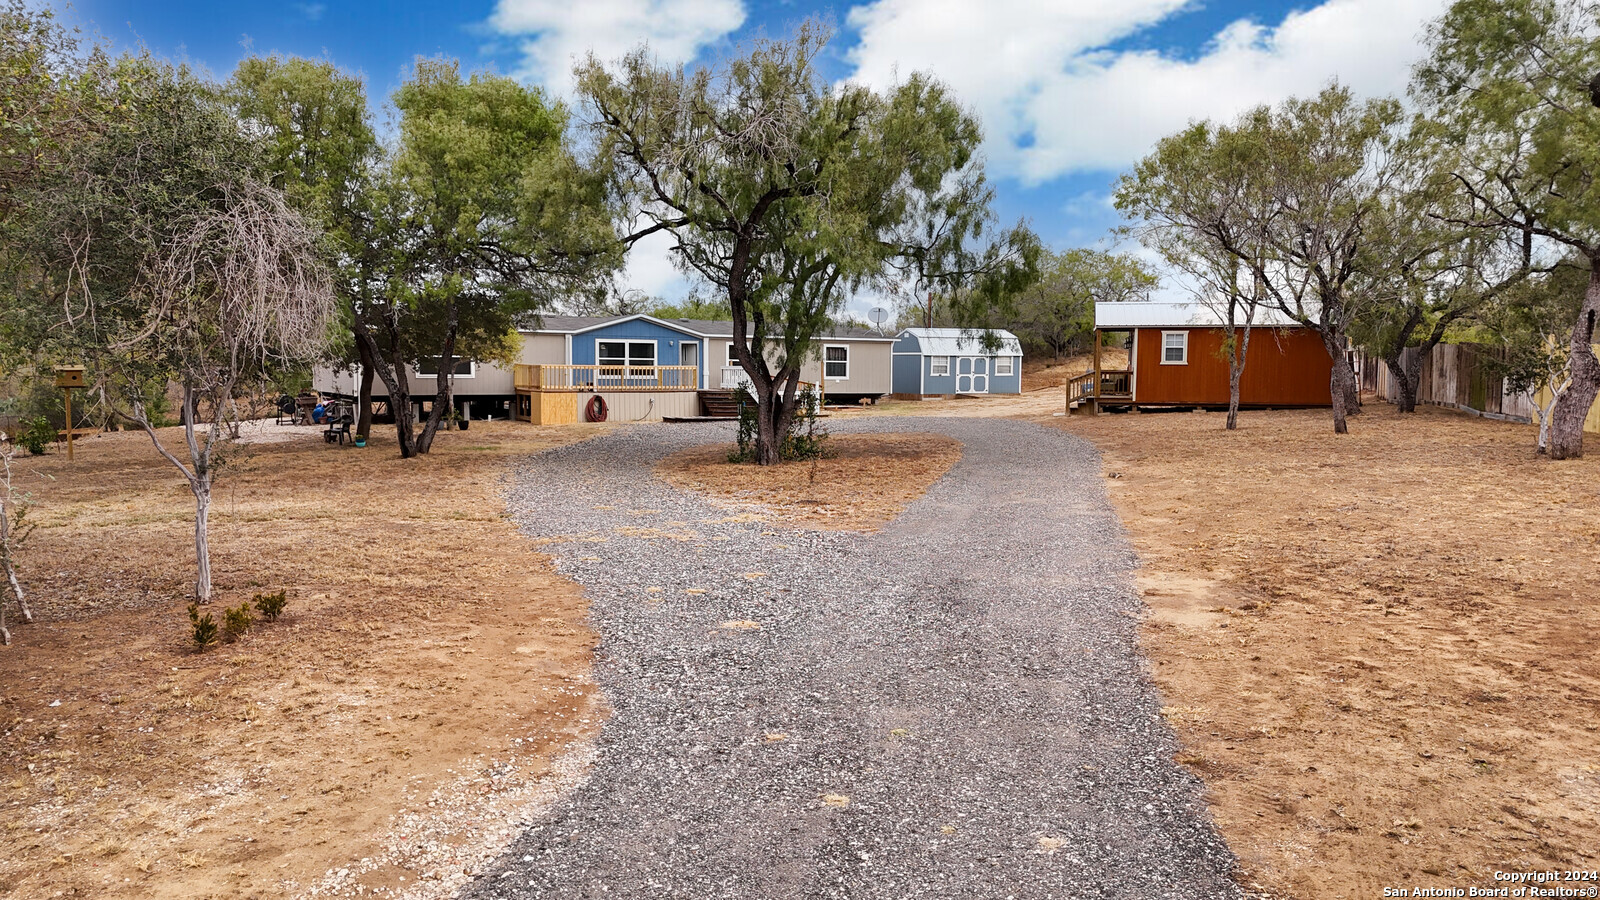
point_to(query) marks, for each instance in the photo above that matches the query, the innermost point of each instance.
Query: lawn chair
(338, 429)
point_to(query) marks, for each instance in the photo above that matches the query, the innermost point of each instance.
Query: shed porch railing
(1115, 384)
(606, 378)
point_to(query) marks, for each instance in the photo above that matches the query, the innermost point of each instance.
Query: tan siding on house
(543, 350)
(870, 366)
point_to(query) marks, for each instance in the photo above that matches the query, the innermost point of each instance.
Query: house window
(732, 359)
(1002, 365)
(1174, 348)
(625, 353)
(938, 365)
(836, 361)
(429, 367)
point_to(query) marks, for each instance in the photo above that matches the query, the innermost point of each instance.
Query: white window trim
(846, 361)
(627, 353)
(1009, 364)
(1175, 362)
(933, 360)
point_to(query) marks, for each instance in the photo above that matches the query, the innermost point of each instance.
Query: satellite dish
(878, 315)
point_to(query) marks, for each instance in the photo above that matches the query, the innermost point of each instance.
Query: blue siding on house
(1008, 384)
(667, 342)
(937, 384)
(905, 373)
(908, 343)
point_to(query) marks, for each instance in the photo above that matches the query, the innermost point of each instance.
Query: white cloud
(650, 269)
(1037, 68)
(554, 34)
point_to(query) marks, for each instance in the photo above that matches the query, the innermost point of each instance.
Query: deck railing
(606, 378)
(1114, 384)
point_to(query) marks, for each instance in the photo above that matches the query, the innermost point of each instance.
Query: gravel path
(954, 707)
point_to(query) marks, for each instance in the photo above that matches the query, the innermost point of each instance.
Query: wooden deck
(1113, 388)
(606, 378)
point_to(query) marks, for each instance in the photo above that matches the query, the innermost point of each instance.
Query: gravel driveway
(954, 707)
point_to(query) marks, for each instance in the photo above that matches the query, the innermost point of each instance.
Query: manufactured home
(1176, 358)
(641, 368)
(943, 361)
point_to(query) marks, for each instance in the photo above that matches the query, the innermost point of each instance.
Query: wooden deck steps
(720, 404)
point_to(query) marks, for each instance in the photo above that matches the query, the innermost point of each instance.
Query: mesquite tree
(786, 193)
(493, 219)
(1058, 311)
(1507, 85)
(1195, 201)
(240, 288)
(164, 260)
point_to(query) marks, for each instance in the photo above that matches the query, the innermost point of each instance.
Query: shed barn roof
(962, 341)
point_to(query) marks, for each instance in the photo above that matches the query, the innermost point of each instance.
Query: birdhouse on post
(67, 378)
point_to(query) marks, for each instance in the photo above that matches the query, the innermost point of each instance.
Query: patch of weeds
(236, 620)
(203, 627)
(271, 605)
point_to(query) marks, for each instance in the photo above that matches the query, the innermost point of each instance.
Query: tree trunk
(11, 569)
(1572, 407)
(1341, 382)
(1236, 363)
(202, 543)
(392, 370)
(1406, 378)
(364, 393)
(443, 401)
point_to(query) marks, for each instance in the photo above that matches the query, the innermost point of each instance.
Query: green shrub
(271, 605)
(36, 434)
(205, 627)
(806, 438)
(236, 620)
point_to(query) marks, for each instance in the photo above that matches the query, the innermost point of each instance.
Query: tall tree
(173, 263)
(1428, 273)
(1196, 201)
(494, 221)
(321, 151)
(1507, 82)
(786, 193)
(1327, 165)
(1058, 312)
(1530, 321)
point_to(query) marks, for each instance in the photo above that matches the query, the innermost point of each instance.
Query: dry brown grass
(423, 638)
(1378, 649)
(867, 481)
(1043, 372)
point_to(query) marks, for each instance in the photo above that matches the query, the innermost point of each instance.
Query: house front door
(689, 355)
(964, 375)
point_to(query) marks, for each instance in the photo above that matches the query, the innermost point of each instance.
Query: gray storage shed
(955, 361)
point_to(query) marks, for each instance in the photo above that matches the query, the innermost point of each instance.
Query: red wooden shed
(1175, 358)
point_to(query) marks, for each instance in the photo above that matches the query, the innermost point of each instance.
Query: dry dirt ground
(867, 481)
(1378, 649)
(426, 688)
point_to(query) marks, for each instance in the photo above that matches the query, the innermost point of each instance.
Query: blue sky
(1071, 92)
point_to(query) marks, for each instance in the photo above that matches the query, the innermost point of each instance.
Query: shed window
(1174, 348)
(836, 361)
(1002, 365)
(625, 353)
(938, 365)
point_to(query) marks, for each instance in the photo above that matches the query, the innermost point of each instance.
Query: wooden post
(69, 423)
(1097, 371)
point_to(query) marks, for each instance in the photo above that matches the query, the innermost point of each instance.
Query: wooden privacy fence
(1459, 376)
(606, 378)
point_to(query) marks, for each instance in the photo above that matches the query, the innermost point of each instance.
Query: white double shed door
(972, 374)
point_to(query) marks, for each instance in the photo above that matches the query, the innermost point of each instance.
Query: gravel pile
(954, 707)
